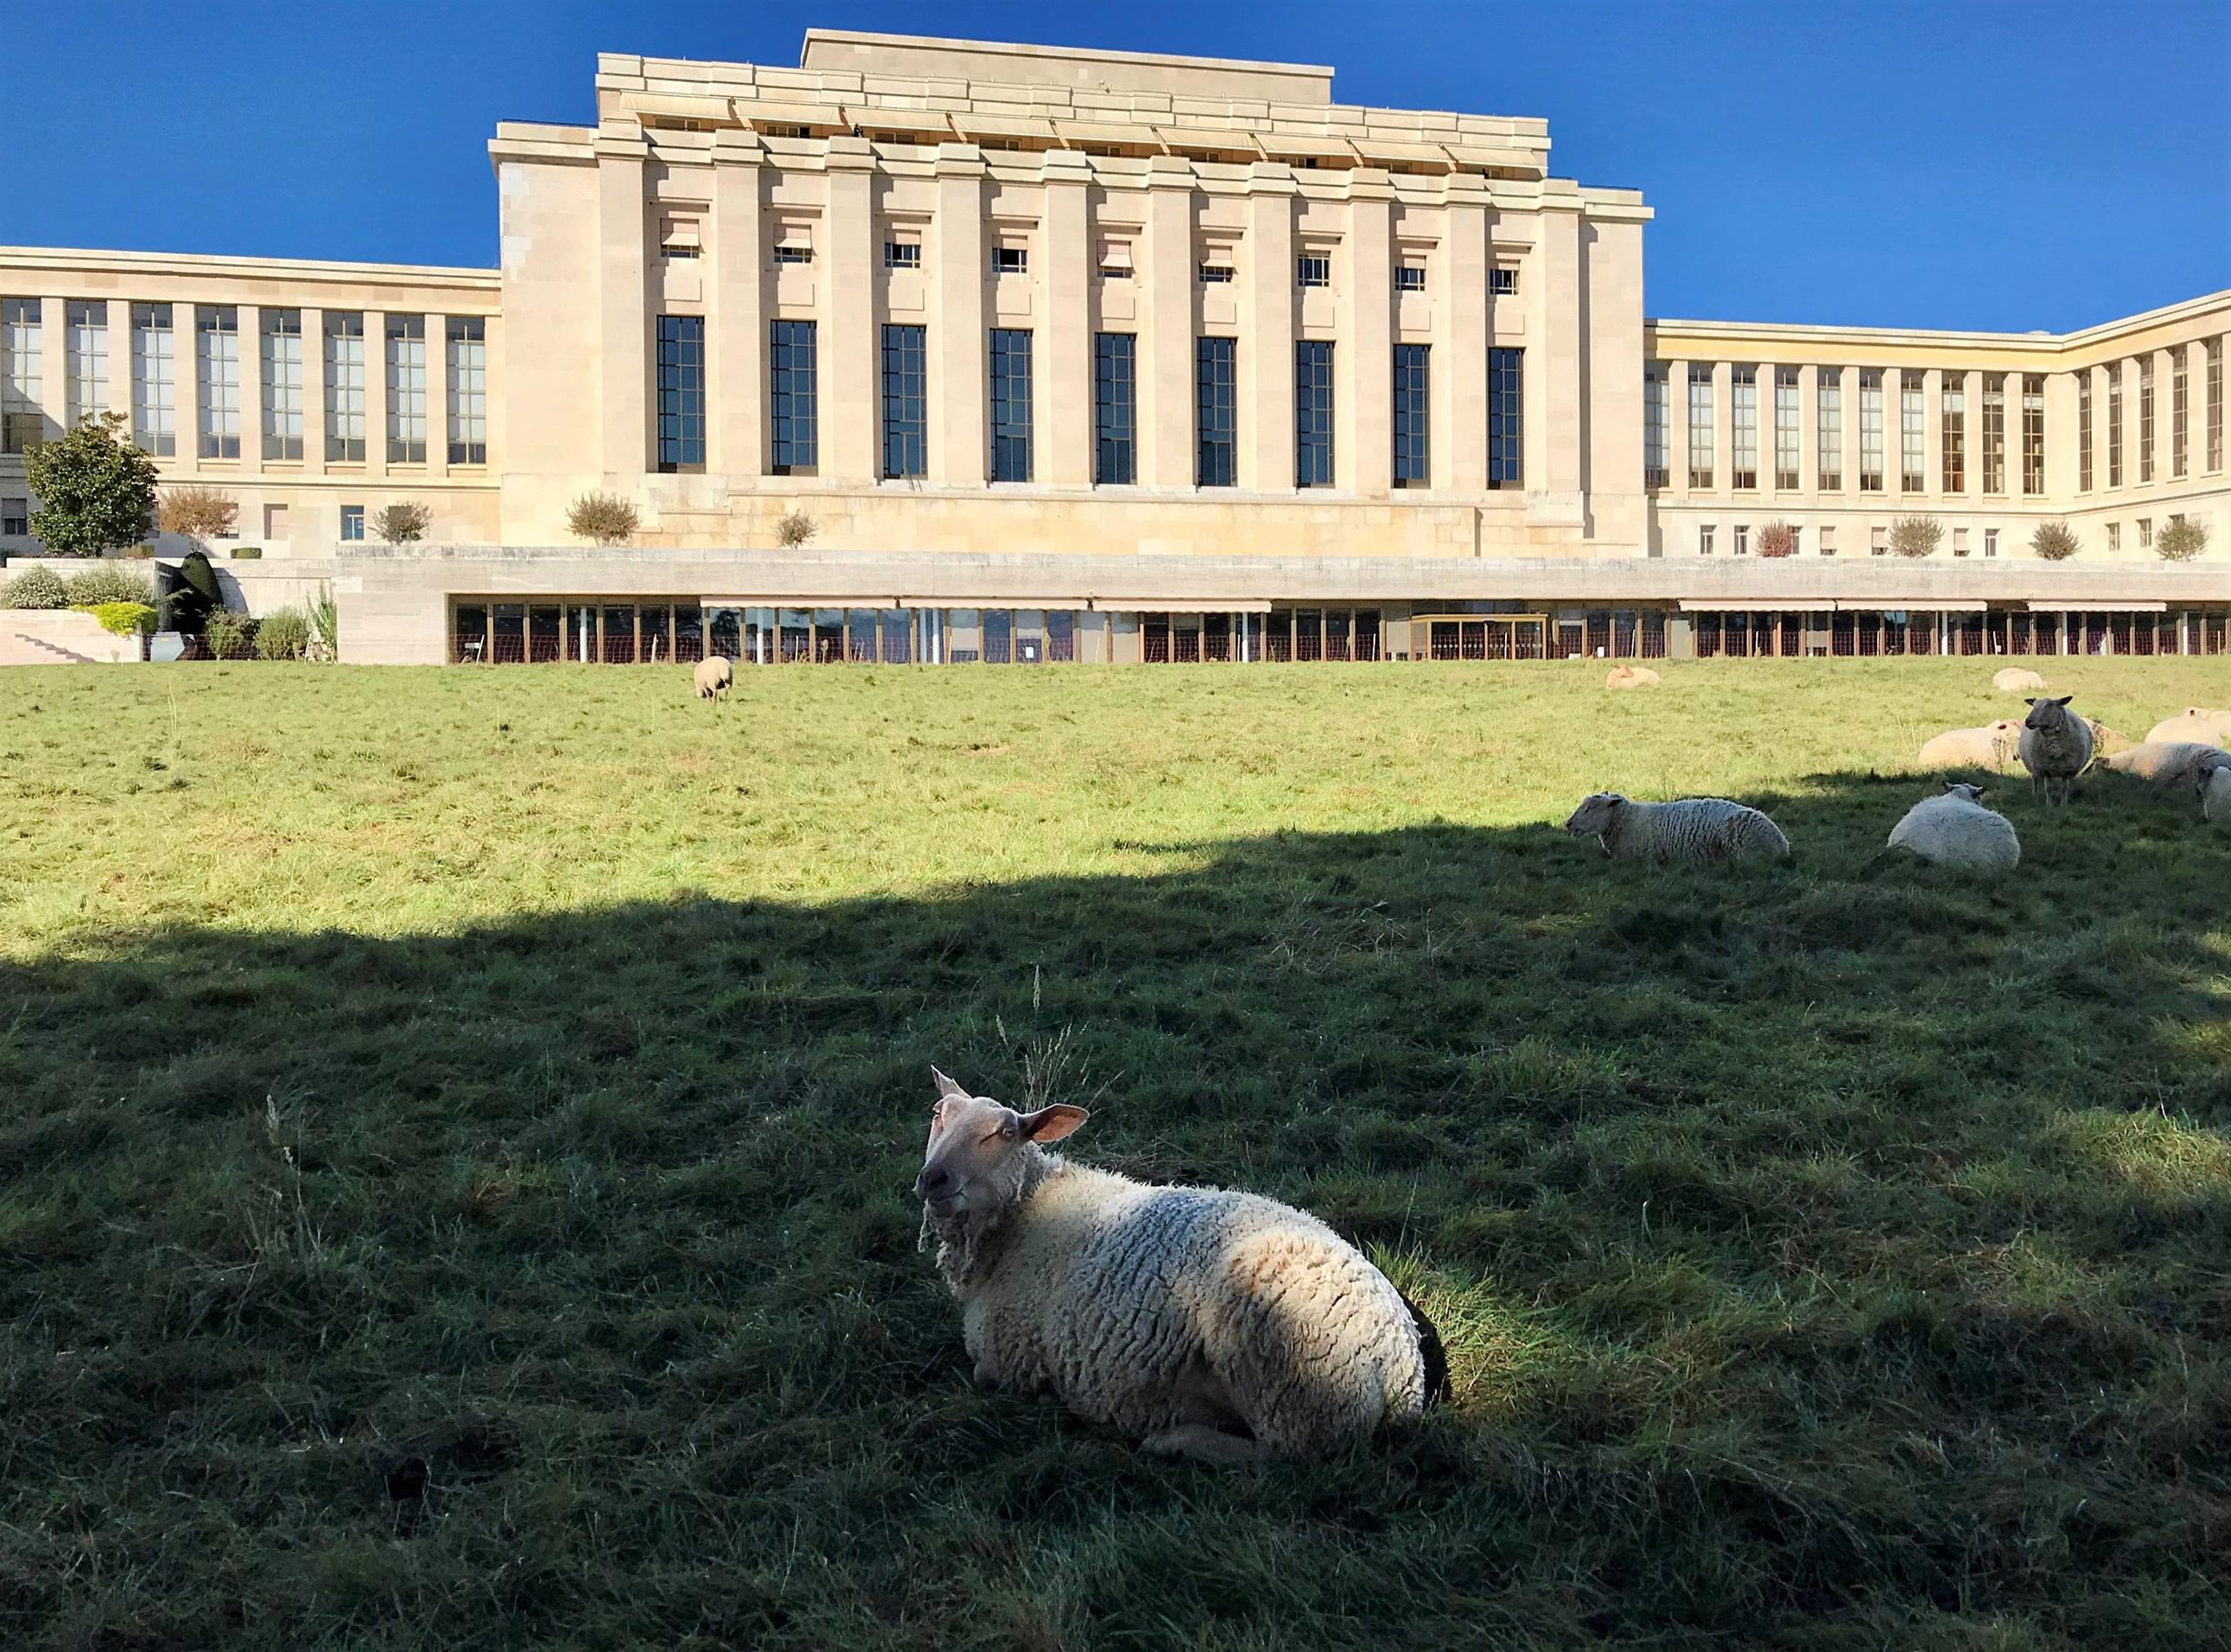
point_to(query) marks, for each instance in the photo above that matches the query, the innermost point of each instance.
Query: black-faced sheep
(712, 677)
(2056, 746)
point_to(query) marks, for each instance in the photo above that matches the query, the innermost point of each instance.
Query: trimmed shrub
(109, 582)
(1777, 538)
(284, 633)
(794, 530)
(36, 588)
(2181, 541)
(1916, 535)
(190, 593)
(121, 619)
(246, 553)
(602, 519)
(2054, 541)
(230, 636)
(402, 523)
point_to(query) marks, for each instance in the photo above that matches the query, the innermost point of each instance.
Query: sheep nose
(935, 1182)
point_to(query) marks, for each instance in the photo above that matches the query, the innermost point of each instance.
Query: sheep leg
(1205, 1445)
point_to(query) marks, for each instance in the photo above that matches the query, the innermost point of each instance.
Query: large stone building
(1074, 354)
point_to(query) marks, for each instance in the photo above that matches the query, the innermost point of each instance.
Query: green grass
(455, 1131)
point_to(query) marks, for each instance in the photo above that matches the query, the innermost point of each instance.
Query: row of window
(1878, 538)
(15, 521)
(2180, 417)
(287, 416)
(794, 406)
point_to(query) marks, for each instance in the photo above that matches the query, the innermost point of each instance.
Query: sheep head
(1595, 814)
(983, 1157)
(2046, 713)
(1963, 791)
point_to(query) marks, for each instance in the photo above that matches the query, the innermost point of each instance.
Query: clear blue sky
(1991, 165)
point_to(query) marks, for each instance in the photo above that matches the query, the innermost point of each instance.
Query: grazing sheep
(1954, 828)
(2194, 724)
(1219, 1324)
(713, 677)
(2056, 746)
(1992, 746)
(2216, 801)
(2184, 765)
(1694, 828)
(2017, 680)
(1630, 677)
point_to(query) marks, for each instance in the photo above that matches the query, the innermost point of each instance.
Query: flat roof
(1093, 54)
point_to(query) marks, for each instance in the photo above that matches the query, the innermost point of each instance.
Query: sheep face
(1964, 792)
(2045, 713)
(980, 1155)
(1595, 814)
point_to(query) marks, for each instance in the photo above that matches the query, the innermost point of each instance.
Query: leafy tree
(2181, 541)
(602, 519)
(794, 530)
(402, 523)
(1916, 535)
(2054, 541)
(1777, 538)
(95, 490)
(198, 513)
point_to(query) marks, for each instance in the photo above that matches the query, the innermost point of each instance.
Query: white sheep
(1954, 828)
(712, 677)
(2056, 746)
(1693, 829)
(2194, 724)
(1630, 677)
(1992, 746)
(2182, 766)
(2216, 801)
(2018, 680)
(1218, 1324)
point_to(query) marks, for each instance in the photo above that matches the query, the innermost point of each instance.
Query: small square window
(352, 522)
(902, 255)
(1215, 275)
(1011, 260)
(794, 253)
(15, 519)
(1410, 278)
(1504, 282)
(1313, 270)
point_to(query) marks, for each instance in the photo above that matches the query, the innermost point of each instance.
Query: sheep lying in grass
(2216, 801)
(2180, 766)
(1992, 746)
(1218, 1324)
(1954, 828)
(2056, 746)
(1630, 677)
(2194, 724)
(713, 677)
(2018, 680)
(2106, 740)
(1694, 828)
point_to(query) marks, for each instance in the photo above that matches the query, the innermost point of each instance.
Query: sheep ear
(2064, 700)
(1051, 1123)
(2029, 700)
(947, 1090)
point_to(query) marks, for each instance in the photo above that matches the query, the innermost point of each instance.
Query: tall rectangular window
(1700, 425)
(1912, 412)
(2215, 404)
(2145, 418)
(1870, 429)
(1952, 402)
(1994, 433)
(466, 338)
(281, 354)
(1217, 413)
(794, 399)
(681, 393)
(2033, 433)
(406, 390)
(1413, 417)
(1011, 404)
(1828, 408)
(2115, 424)
(1506, 418)
(217, 372)
(1653, 425)
(352, 522)
(1785, 438)
(154, 380)
(1313, 413)
(85, 344)
(1743, 427)
(906, 401)
(1114, 409)
(2180, 408)
(345, 386)
(22, 369)
(2084, 432)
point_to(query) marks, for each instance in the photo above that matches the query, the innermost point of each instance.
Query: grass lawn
(456, 1129)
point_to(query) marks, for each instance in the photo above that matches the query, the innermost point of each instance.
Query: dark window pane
(794, 408)
(1313, 413)
(1010, 404)
(1216, 465)
(905, 402)
(681, 393)
(1115, 395)
(1506, 417)
(1413, 457)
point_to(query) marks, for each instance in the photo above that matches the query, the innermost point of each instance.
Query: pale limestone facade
(1373, 363)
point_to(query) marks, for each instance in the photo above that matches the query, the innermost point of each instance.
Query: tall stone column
(849, 343)
(1363, 448)
(736, 311)
(624, 310)
(1932, 435)
(186, 390)
(960, 344)
(250, 319)
(1269, 327)
(1553, 452)
(1062, 396)
(1165, 364)
(314, 415)
(1461, 342)
(54, 364)
(1677, 427)
(1808, 433)
(119, 357)
(376, 394)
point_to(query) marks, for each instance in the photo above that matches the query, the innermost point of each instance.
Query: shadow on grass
(1835, 1251)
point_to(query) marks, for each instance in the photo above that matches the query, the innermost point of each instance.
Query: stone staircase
(60, 637)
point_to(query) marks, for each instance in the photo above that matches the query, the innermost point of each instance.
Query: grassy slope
(455, 1130)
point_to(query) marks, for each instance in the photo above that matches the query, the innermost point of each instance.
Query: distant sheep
(2056, 746)
(2194, 724)
(2182, 765)
(1694, 828)
(1993, 746)
(1218, 1324)
(1954, 828)
(2106, 740)
(713, 677)
(2017, 680)
(1630, 677)
(2216, 801)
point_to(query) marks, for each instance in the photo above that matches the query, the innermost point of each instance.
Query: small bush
(794, 530)
(284, 633)
(1916, 535)
(36, 588)
(140, 550)
(1777, 538)
(121, 619)
(2181, 541)
(402, 523)
(2054, 541)
(325, 627)
(601, 519)
(108, 582)
(197, 513)
(230, 636)
(246, 553)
